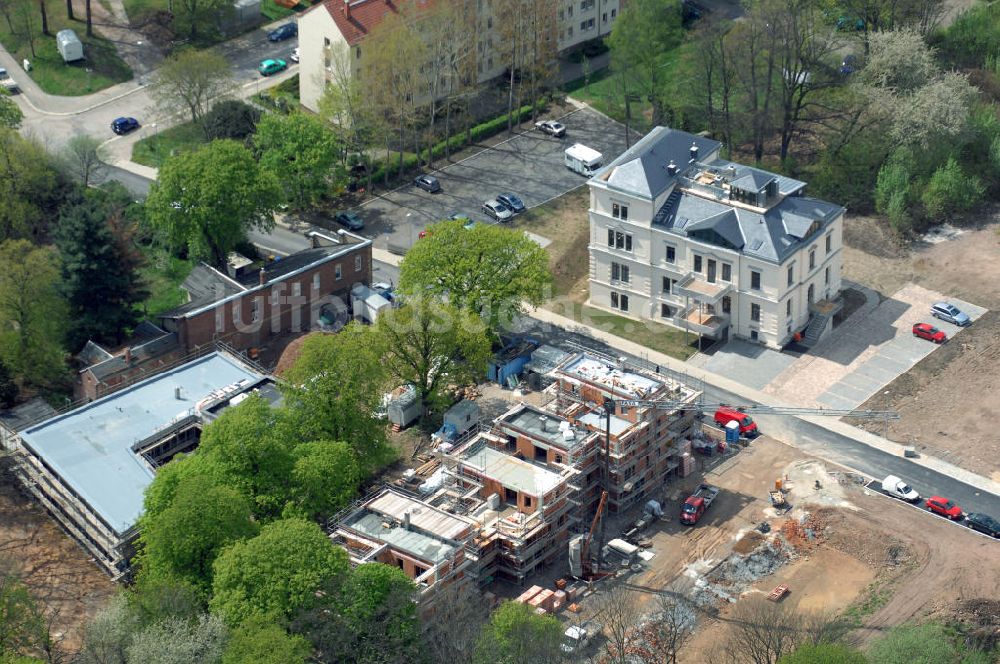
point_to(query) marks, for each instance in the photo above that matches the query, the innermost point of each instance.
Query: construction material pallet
(778, 593)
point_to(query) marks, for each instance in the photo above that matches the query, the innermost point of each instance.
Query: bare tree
(191, 81)
(661, 638)
(716, 75)
(459, 615)
(619, 614)
(82, 157)
(760, 632)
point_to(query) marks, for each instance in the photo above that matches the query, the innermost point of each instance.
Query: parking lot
(530, 164)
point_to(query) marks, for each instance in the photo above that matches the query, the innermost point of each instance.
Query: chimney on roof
(406, 520)
(694, 152)
(177, 394)
(128, 355)
(263, 277)
(347, 8)
(672, 168)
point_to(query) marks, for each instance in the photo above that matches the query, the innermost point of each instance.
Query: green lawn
(163, 274)
(154, 150)
(101, 69)
(275, 12)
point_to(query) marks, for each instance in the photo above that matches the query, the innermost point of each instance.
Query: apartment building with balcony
(332, 37)
(681, 236)
(643, 446)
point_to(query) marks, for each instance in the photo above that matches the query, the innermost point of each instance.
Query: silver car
(497, 210)
(950, 313)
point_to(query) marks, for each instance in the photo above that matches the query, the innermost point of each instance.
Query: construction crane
(585, 547)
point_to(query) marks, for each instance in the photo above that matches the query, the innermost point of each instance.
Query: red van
(725, 415)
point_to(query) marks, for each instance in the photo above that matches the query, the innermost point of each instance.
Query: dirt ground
(564, 221)
(56, 570)
(853, 552)
(967, 268)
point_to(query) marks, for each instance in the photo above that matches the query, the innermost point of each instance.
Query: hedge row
(452, 143)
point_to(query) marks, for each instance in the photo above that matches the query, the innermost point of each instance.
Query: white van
(897, 488)
(583, 160)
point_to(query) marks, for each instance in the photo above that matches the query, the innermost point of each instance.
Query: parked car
(349, 220)
(122, 126)
(497, 210)
(6, 82)
(281, 33)
(725, 415)
(929, 332)
(897, 488)
(428, 183)
(944, 507)
(511, 202)
(947, 311)
(984, 523)
(552, 128)
(271, 66)
(294, 57)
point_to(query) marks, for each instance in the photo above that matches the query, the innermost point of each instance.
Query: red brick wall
(287, 316)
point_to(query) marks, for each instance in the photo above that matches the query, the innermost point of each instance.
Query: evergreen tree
(100, 279)
(8, 388)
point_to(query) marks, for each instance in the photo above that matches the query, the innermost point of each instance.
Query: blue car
(123, 126)
(281, 33)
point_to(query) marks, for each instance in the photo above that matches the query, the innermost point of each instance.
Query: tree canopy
(516, 634)
(325, 477)
(335, 387)
(32, 313)
(10, 115)
(431, 344)
(100, 280)
(275, 574)
(183, 541)
(209, 198)
(303, 150)
(488, 269)
(192, 80)
(30, 187)
(370, 619)
(259, 641)
(231, 118)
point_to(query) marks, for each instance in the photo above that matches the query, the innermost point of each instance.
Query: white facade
(717, 289)
(321, 40)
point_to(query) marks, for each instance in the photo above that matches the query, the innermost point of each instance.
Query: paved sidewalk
(757, 396)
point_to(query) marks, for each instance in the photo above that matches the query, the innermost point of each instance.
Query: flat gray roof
(90, 448)
(412, 542)
(546, 427)
(511, 472)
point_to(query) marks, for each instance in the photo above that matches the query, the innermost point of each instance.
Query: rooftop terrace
(545, 427)
(612, 378)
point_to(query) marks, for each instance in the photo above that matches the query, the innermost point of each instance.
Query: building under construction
(90, 467)
(535, 475)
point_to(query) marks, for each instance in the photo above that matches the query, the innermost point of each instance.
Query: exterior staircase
(822, 312)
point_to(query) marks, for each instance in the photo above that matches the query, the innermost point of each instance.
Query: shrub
(232, 119)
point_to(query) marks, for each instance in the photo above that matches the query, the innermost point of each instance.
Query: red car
(944, 507)
(929, 332)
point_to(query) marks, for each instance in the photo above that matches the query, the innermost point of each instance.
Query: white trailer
(69, 45)
(583, 160)
(366, 303)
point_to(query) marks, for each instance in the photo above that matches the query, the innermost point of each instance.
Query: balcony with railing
(701, 289)
(702, 321)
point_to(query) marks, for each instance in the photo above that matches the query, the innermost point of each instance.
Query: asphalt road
(812, 438)
(243, 53)
(530, 164)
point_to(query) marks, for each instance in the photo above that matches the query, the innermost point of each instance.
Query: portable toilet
(69, 45)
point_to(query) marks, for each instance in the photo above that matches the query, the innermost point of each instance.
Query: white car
(552, 128)
(294, 57)
(497, 210)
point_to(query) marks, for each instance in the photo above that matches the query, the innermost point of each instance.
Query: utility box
(69, 45)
